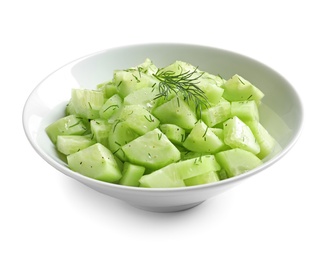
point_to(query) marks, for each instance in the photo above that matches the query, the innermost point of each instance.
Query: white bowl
(281, 112)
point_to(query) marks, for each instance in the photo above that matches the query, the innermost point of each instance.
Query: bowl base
(167, 209)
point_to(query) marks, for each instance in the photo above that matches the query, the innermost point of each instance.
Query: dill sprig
(183, 84)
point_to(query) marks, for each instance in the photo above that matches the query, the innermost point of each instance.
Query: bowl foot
(167, 209)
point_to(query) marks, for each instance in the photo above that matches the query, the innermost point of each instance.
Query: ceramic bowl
(281, 112)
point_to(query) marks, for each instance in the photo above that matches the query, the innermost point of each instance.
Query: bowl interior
(281, 111)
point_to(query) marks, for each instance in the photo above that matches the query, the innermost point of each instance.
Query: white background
(280, 214)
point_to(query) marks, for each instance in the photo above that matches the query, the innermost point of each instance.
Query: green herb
(184, 84)
(149, 118)
(116, 123)
(242, 82)
(204, 135)
(114, 107)
(198, 160)
(138, 80)
(78, 122)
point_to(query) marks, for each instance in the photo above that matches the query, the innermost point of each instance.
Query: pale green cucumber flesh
(237, 161)
(87, 103)
(111, 105)
(68, 125)
(152, 150)
(131, 174)
(238, 135)
(68, 144)
(138, 119)
(201, 139)
(96, 162)
(239, 89)
(174, 133)
(177, 112)
(100, 129)
(205, 178)
(174, 174)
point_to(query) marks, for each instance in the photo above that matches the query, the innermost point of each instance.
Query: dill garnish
(182, 84)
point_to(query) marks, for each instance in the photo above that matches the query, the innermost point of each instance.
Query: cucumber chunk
(138, 119)
(100, 129)
(217, 114)
(96, 162)
(111, 105)
(201, 139)
(68, 144)
(238, 135)
(211, 88)
(174, 133)
(173, 175)
(208, 83)
(68, 125)
(145, 97)
(147, 67)
(127, 81)
(87, 103)
(239, 89)
(108, 87)
(202, 179)
(220, 134)
(237, 161)
(245, 110)
(266, 142)
(152, 150)
(119, 135)
(177, 112)
(131, 174)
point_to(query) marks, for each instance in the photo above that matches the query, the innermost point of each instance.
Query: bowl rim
(85, 179)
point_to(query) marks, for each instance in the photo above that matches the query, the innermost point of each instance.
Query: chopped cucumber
(147, 67)
(201, 139)
(128, 81)
(96, 162)
(68, 125)
(111, 106)
(237, 161)
(177, 112)
(245, 110)
(174, 133)
(217, 113)
(138, 119)
(205, 178)
(174, 126)
(108, 87)
(239, 89)
(145, 97)
(174, 174)
(131, 174)
(119, 135)
(266, 142)
(100, 130)
(87, 103)
(152, 150)
(68, 144)
(238, 135)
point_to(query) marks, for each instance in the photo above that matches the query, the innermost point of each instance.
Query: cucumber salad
(165, 127)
